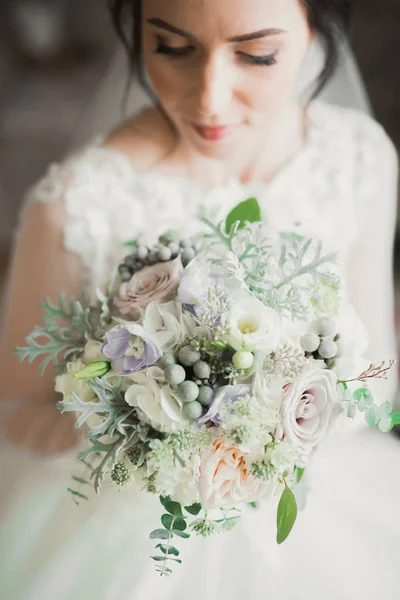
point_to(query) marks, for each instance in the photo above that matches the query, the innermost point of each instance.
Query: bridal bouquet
(209, 372)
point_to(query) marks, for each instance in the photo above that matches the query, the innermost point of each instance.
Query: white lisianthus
(166, 323)
(153, 397)
(253, 326)
(66, 384)
(310, 409)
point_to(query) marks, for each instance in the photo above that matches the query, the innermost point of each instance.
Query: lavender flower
(130, 348)
(227, 393)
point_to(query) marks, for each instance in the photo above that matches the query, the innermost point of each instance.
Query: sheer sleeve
(40, 268)
(370, 267)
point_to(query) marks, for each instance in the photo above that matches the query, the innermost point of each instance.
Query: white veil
(346, 88)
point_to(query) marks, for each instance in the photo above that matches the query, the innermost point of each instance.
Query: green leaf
(254, 504)
(299, 474)
(165, 499)
(168, 549)
(132, 245)
(158, 558)
(247, 211)
(80, 480)
(287, 514)
(167, 521)
(180, 534)
(170, 521)
(159, 534)
(174, 508)
(78, 494)
(361, 393)
(194, 509)
(164, 571)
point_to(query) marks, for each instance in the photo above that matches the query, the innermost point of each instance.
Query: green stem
(168, 543)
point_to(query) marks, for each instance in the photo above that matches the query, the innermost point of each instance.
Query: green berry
(206, 395)
(243, 360)
(192, 411)
(175, 375)
(202, 370)
(187, 255)
(188, 356)
(310, 342)
(327, 349)
(326, 326)
(188, 391)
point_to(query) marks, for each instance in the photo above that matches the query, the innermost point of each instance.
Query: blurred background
(53, 54)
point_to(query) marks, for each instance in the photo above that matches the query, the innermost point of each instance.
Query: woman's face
(224, 70)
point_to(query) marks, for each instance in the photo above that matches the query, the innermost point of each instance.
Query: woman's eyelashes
(184, 51)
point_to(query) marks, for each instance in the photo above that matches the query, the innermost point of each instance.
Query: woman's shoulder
(133, 147)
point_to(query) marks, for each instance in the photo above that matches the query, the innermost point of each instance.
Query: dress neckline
(158, 177)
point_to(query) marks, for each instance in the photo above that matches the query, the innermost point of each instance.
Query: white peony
(180, 482)
(253, 326)
(153, 397)
(310, 409)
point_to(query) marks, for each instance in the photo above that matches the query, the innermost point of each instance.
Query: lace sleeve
(370, 267)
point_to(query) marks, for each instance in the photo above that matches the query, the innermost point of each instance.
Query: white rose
(153, 397)
(253, 326)
(66, 384)
(225, 479)
(310, 409)
(167, 321)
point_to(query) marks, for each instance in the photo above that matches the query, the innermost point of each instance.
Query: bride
(227, 123)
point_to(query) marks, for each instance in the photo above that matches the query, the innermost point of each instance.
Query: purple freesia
(130, 348)
(227, 393)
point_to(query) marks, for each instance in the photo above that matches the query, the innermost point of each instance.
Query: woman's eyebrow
(161, 24)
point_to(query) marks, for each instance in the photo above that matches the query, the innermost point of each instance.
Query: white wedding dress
(346, 543)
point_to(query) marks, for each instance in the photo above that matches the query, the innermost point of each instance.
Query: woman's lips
(213, 134)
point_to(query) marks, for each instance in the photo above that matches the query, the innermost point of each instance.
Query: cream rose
(310, 409)
(155, 283)
(225, 480)
(152, 396)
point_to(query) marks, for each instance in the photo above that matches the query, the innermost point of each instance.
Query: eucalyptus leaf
(160, 534)
(168, 549)
(396, 418)
(174, 508)
(299, 474)
(167, 521)
(194, 509)
(287, 514)
(181, 534)
(248, 211)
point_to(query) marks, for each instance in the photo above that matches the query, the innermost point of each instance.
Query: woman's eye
(268, 60)
(173, 51)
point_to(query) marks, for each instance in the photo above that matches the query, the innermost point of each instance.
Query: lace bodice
(322, 192)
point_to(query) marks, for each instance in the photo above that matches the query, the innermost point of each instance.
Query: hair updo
(329, 18)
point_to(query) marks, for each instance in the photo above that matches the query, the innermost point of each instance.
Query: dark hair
(329, 18)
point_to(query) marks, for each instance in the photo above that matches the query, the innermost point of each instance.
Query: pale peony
(180, 482)
(155, 283)
(225, 479)
(66, 384)
(253, 326)
(310, 409)
(153, 397)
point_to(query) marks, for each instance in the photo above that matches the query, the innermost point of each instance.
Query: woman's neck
(262, 161)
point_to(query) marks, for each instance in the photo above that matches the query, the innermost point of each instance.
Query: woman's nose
(215, 89)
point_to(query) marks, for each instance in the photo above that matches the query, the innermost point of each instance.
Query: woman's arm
(40, 268)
